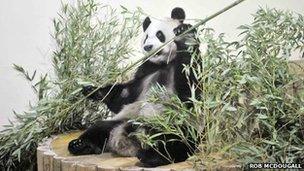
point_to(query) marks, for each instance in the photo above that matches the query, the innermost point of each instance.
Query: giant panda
(129, 100)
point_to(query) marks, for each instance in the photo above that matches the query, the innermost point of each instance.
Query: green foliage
(249, 108)
(92, 41)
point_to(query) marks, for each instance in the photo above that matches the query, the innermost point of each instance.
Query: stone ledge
(52, 155)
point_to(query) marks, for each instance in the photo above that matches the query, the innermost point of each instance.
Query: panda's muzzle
(148, 48)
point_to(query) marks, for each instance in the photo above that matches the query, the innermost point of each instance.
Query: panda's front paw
(182, 28)
(82, 147)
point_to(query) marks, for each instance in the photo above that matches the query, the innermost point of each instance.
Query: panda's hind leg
(94, 139)
(123, 141)
(171, 151)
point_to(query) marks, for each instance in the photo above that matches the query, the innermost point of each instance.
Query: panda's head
(157, 32)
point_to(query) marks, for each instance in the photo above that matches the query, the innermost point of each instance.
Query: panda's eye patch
(160, 35)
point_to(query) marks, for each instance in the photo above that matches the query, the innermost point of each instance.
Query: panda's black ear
(178, 14)
(146, 23)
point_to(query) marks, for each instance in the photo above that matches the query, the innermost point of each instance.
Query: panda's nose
(148, 48)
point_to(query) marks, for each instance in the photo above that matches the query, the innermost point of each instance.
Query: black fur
(146, 23)
(94, 139)
(161, 37)
(174, 150)
(178, 13)
(113, 98)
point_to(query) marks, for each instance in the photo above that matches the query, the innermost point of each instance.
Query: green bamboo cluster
(92, 41)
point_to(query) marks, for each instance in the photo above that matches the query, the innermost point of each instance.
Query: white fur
(170, 88)
(132, 110)
(148, 82)
(120, 143)
(129, 111)
(149, 109)
(125, 93)
(142, 107)
(166, 26)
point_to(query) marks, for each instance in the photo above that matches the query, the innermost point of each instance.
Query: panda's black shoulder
(147, 68)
